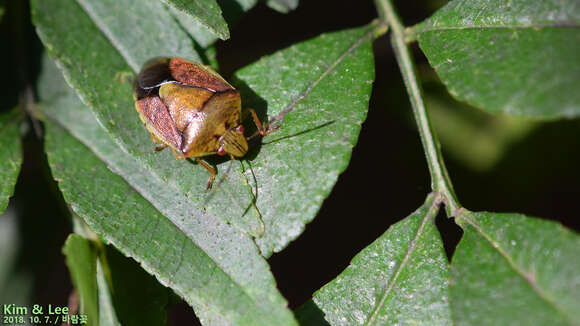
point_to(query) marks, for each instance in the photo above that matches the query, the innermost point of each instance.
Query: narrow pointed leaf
(212, 265)
(518, 57)
(400, 279)
(81, 259)
(107, 313)
(205, 12)
(10, 155)
(510, 267)
(147, 30)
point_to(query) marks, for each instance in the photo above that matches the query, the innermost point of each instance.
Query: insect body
(192, 109)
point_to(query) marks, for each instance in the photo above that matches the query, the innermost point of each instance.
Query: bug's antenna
(215, 189)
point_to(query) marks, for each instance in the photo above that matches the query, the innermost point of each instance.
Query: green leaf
(107, 313)
(10, 155)
(283, 6)
(233, 11)
(510, 267)
(81, 259)
(147, 30)
(113, 106)
(518, 57)
(204, 12)
(212, 265)
(317, 92)
(400, 279)
(323, 83)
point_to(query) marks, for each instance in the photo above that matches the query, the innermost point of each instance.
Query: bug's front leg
(210, 169)
(261, 129)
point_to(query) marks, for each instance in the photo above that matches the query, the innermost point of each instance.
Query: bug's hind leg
(159, 145)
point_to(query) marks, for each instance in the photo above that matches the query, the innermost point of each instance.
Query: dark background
(386, 180)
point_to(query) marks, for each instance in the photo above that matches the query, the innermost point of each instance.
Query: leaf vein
(274, 122)
(433, 208)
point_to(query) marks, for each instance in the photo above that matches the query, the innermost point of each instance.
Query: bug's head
(233, 142)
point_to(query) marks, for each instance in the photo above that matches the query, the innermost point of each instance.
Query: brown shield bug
(192, 109)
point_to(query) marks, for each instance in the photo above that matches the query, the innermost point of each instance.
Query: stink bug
(192, 109)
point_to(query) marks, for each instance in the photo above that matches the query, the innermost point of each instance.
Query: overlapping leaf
(212, 265)
(518, 57)
(146, 30)
(10, 155)
(100, 83)
(232, 11)
(399, 279)
(324, 83)
(509, 267)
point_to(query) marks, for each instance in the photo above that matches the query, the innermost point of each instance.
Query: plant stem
(440, 181)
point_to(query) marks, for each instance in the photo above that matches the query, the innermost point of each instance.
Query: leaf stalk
(440, 181)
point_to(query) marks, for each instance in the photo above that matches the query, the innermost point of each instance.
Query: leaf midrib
(465, 215)
(418, 29)
(304, 93)
(433, 204)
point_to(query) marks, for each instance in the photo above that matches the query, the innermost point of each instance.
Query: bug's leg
(210, 169)
(178, 155)
(261, 130)
(232, 158)
(159, 147)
